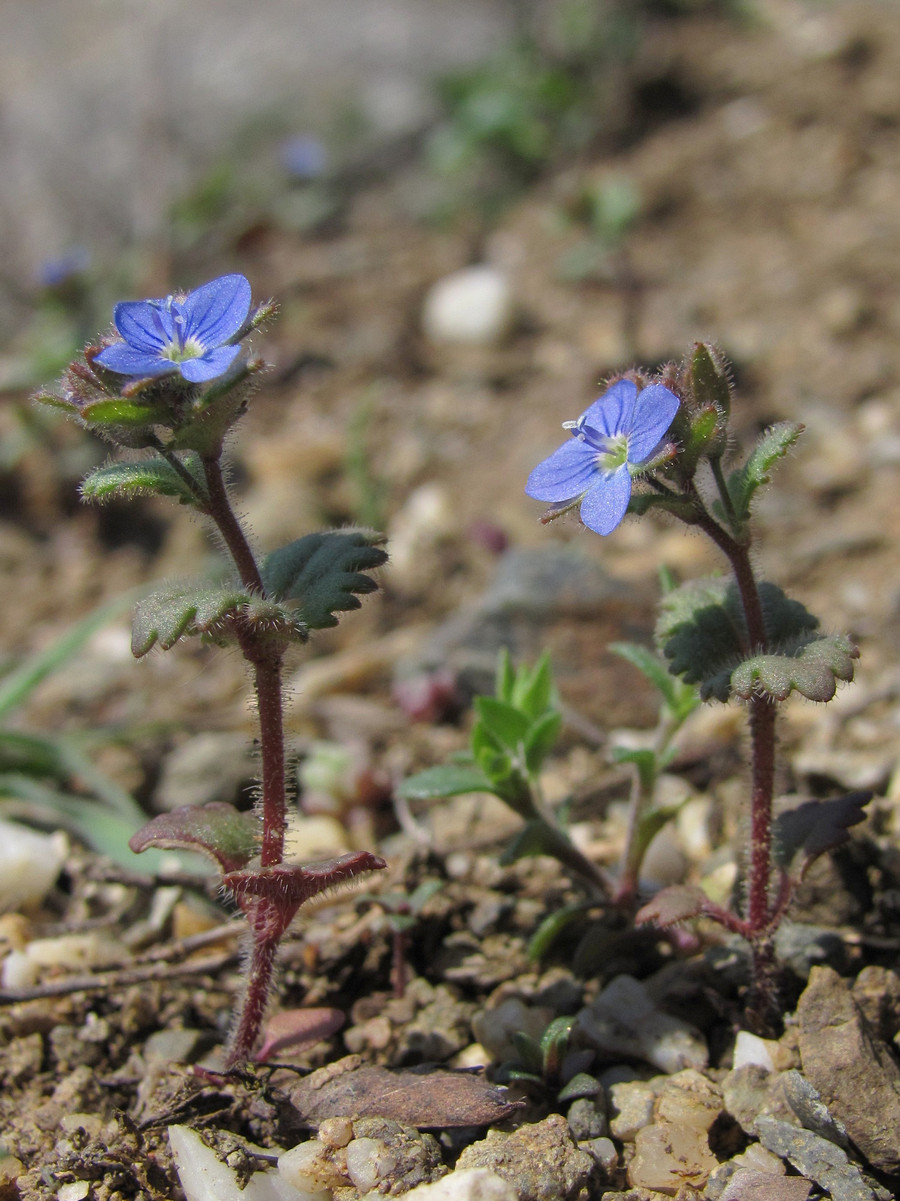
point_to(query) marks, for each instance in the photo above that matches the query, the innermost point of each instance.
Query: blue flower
(192, 334)
(610, 443)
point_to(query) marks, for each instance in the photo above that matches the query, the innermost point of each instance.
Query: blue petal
(214, 363)
(127, 360)
(653, 414)
(604, 506)
(138, 321)
(217, 311)
(565, 475)
(613, 412)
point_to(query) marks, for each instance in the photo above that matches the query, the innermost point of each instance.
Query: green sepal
(710, 379)
(155, 476)
(811, 667)
(445, 781)
(774, 444)
(227, 835)
(185, 608)
(117, 412)
(325, 573)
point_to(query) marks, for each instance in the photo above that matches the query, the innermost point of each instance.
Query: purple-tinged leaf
(295, 1030)
(271, 896)
(680, 903)
(427, 1097)
(815, 827)
(226, 835)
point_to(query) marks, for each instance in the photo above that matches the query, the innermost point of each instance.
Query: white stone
(309, 1168)
(369, 1161)
(29, 864)
(472, 306)
(204, 1177)
(469, 1184)
(749, 1048)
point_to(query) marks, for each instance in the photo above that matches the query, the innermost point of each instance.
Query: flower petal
(216, 311)
(214, 363)
(605, 504)
(654, 412)
(128, 360)
(565, 474)
(612, 413)
(142, 324)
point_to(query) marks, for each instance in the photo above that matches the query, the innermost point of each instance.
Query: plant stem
(265, 656)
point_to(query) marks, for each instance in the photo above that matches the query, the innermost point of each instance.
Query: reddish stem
(265, 658)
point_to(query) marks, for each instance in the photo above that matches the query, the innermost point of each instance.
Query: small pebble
(473, 306)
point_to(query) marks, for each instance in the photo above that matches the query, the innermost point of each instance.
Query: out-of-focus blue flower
(304, 157)
(60, 270)
(190, 334)
(610, 442)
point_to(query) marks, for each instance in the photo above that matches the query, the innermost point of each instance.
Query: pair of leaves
(703, 632)
(324, 571)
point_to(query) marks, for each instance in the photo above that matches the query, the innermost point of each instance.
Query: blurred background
(471, 213)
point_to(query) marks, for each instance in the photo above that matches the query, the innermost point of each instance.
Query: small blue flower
(192, 334)
(611, 441)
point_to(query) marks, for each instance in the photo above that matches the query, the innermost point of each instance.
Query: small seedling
(514, 732)
(551, 1065)
(170, 384)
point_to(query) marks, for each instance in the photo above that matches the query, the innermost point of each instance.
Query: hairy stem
(265, 657)
(254, 1001)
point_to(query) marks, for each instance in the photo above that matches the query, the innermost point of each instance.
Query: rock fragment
(541, 1161)
(817, 1159)
(854, 1073)
(623, 1020)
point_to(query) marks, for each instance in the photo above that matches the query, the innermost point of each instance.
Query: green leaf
(774, 444)
(449, 780)
(643, 759)
(506, 677)
(541, 739)
(154, 477)
(185, 608)
(811, 667)
(503, 721)
(552, 927)
(533, 690)
(650, 665)
(324, 572)
(225, 834)
(703, 632)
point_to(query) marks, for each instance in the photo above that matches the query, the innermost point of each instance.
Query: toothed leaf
(325, 572)
(219, 831)
(811, 668)
(185, 608)
(815, 827)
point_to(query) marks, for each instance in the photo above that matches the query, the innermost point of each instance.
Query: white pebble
(29, 864)
(749, 1048)
(204, 1177)
(369, 1161)
(473, 306)
(470, 1184)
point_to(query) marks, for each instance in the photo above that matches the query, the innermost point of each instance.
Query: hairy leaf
(773, 445)
(815, 827)
(811, 668)
(325, 573)
(678, 903)
(154, 477)
(185, 608)
(223, 833)
(450, 780)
